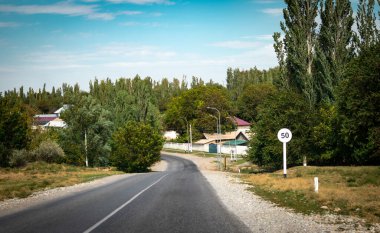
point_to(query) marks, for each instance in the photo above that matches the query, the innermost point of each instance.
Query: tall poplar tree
(283, 81)
(334, 49)
(366, 23)
(299, 43)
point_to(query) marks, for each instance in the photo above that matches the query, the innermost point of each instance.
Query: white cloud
(273, 11)
(131, 13)
(236, 44)
(143, 2)
(8, 24)
(135, 24)
(60, 8)
(102, 16)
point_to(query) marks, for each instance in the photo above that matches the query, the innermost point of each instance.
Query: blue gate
(212, 148)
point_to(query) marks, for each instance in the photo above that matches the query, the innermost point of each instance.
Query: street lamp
(219, 136)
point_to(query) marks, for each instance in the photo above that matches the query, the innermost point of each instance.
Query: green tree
(252, 96)
(328, 144)
(366, 24)
(87, 118)
(358, 108)
(299, 44)
(284, 109)
(136, 147)
(14, 127)
(282, 82)
(191, 107)
(334, 50)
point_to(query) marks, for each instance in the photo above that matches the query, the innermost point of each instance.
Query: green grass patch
(342, 190)
(291, 199)
(22, 182)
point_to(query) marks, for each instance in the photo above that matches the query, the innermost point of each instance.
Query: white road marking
(122, 206)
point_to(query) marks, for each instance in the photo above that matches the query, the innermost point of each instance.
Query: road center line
(122, 206)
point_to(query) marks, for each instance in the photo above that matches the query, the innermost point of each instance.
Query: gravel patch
(263, 216)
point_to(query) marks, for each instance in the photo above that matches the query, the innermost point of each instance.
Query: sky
(75, 41)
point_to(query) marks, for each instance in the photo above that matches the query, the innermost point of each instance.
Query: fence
(225, 149)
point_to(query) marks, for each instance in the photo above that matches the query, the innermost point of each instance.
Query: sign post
(284, 135)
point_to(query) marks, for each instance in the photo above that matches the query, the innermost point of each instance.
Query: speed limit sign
(284, 135)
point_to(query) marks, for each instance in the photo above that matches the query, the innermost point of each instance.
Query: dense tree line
(92, 118)
(329, 87)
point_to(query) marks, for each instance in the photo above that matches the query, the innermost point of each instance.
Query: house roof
(62, 109)
(241, 122)
(227, 136)
(204, 141)
(44, 118)
(57, 122)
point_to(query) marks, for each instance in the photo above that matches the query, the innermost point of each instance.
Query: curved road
(177, 200)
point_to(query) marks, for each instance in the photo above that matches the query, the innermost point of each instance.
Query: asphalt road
(177, 200)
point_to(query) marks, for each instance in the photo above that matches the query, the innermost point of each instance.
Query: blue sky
(47, 41)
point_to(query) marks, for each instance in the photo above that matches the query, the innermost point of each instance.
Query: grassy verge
(344, 190)
(22, 182)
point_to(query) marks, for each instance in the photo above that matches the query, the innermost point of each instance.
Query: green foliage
(19, 158)
(366, 23)
(251, 97)
(299, 42)
(358, 107)
(282, 110)
(49, 152)
(136, 147)
(87, 116)
(166, 90)
(334, 49)
(326, 137)
(191, 108)
(238, 80)
(38, 136)
(128, 100)
(14, 127)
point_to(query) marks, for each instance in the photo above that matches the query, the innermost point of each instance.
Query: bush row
(47, 151)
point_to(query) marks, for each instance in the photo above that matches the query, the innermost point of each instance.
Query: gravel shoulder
(263, 216)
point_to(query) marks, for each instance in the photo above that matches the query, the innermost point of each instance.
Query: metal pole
(284, 149)
(85, 146)
(219, 137)
(191, 141)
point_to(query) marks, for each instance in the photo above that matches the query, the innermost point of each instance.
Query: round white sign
(284, 135)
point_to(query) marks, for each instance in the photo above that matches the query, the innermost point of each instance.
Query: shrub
(18, 158)
(136, 147)
(49, 152)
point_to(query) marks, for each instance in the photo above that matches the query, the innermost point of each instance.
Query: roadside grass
(22, 182)
(342, 190)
